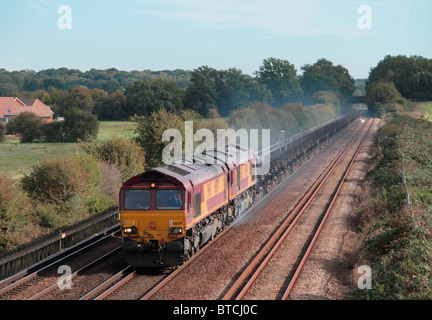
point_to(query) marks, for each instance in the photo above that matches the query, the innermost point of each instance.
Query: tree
(111, 107)
(381, 92)
(111, 86)
(202, 95)
(223, 90)
(280, 77)
(144, 97)
(236, 90)
(53, 83)
(28, 124)
(151, 128)
(324, 76)
(412, 76)
(79, 124)
(32, 84)
(77, 98)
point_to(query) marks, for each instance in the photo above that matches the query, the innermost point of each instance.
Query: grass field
(16, 158)
(108, 129)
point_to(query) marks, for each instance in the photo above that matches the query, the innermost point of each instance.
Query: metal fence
(39, 249)
(404, 182)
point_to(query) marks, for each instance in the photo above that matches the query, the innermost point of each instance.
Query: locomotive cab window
(137, 199)
(169, 199)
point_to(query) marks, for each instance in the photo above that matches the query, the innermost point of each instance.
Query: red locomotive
(168, 213)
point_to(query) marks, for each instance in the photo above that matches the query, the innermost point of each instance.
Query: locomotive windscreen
(169, 199)
(137, 199)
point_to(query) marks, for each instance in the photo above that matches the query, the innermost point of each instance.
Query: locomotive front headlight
(174, 232)
(130, 230)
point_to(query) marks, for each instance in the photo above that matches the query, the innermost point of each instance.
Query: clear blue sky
(186, 34)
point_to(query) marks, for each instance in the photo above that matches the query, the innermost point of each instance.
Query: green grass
(427, 109)
(16, 158)
(108, 129)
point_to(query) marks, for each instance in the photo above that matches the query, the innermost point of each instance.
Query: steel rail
(126, 275)
(86, 267)
(68, 254)
(317, 234)
(250, 274)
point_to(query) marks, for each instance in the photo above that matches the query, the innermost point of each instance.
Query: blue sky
(186, 34)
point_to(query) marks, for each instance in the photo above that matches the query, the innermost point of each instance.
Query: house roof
(14, 106)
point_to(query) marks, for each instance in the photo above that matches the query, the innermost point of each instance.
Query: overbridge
(356, 99)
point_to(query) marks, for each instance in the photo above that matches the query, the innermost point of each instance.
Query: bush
(16, 223)
(291, 117)
(78, 125)
(96, 200)
(55, 181)
(323, 97)
(68, 187)
(126, 154)
(303, 115)
(54, 132)
(28, 124)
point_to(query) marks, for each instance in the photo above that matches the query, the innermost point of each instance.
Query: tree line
(116, 95)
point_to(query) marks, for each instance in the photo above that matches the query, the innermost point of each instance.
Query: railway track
(130, 284)
(249, 277)
(45, 279)
(155, 293)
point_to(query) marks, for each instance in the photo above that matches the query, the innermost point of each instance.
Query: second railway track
(274, 271)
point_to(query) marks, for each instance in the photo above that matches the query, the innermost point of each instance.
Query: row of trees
(292, 117)
(109, 80)
(275, 83)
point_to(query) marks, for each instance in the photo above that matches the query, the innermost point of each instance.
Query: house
(11, 107)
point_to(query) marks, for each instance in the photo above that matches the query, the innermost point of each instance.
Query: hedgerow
(398, 246)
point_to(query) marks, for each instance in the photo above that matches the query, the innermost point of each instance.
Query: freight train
(168, 213)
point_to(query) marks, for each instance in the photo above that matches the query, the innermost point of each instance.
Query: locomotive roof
(197, 169)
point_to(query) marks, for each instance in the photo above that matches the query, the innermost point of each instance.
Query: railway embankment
(395, 212)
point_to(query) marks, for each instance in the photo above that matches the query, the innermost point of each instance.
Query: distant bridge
(357, 99)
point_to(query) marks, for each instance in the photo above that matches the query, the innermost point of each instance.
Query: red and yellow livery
(169, 212)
